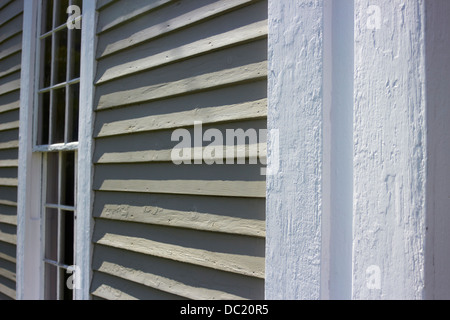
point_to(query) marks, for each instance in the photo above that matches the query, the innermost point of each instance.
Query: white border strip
(295, 107)
(25, 175)
(84, 223)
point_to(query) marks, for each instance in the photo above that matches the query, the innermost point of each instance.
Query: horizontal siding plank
(8, 219)
(248, 151)
(11, 293)
(101, 4)
(183, 219)
(8, 203)
(244, 34)
(7, 274)
(241, 111)
(9, 126)
(13, 85)
(11, 46)
(10, 106)
(4, 3)
(177, 278)
(12, 28)
(10, 70)
(8, 238)
(252, 189)
(9, 163)
(8, 258)
(107, 292)
(165, 284)
(183, 20)
(122, 11)
(10, 65)
(110, 287)
(10, 101)
(8, 182)
(10, 11)
(249, 266)
(9, 145)
(231, 76)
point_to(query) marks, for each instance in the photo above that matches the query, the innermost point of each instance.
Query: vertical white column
(294, 193)
(28, 203)
(389, 150)
(85, 194)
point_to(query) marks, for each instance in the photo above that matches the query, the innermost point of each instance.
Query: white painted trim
(327, 137)
(294, 195)
(29, 233)
(390, 159)
(28, 224)
(85, 195)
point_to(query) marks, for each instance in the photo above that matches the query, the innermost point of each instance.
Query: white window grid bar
(58, 28)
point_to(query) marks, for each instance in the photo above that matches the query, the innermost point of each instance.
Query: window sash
(68, 85)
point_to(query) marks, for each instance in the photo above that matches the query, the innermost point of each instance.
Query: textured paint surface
(389, 150)
(295, 109)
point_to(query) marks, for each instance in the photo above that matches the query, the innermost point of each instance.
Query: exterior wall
(11, 16)
(177, 231)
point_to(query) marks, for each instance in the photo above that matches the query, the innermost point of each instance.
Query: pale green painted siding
(11, 15)
(177, 232)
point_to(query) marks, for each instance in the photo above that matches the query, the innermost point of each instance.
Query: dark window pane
(75, 54)
(52, 177)
(46, 62)
(43, 119)
(68, 179)
(68, 291)
(61, 12)
(74, 102)
(60, 71)
(47, 16)
(51, 234)
(51, 274)
(67, 238)
(59, 115)
(78, 3)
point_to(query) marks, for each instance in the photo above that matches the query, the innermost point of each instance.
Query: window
(54, 222)
(56, 119)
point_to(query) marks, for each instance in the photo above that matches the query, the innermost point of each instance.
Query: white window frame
(29, 231)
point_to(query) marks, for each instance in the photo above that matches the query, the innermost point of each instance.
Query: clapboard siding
(11, 19)
(164, 231)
